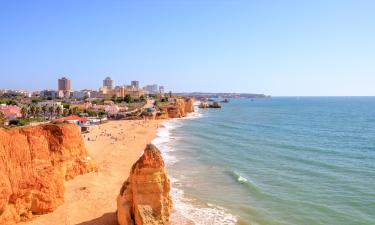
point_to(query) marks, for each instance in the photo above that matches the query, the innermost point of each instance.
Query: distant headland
(199, 95)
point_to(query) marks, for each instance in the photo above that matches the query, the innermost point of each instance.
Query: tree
(128, 98)
(33, 110)
(66, 105)
(44, 109)
(101, 113)
(59, 110)
(24, 111)
(36, 100)
(114, 98)
(66, 112)
(51, 111)
(91, 113)
(75, 110)
(2, 119)
(37, 110)
(142, 98)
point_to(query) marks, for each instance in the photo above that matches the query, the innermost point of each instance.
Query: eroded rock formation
(34, 163)
(177, 109)
(144, 198)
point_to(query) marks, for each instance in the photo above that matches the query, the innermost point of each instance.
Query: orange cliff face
(180, 108)
(144, 198)
(34, 163)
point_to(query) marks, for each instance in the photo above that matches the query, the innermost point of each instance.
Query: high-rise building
(161, 89)
(108, 83)
(64, 84)
(135, 84)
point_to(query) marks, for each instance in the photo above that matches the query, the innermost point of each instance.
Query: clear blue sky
(280, 47)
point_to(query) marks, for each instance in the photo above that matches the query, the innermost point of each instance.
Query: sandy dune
(91, 199)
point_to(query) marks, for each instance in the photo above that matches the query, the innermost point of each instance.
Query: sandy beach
(90, 199)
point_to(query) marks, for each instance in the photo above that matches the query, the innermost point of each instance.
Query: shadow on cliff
(106, 219)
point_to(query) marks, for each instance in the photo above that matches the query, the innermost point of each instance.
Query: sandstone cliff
(34, 163)
(144, 198)
(177, 109)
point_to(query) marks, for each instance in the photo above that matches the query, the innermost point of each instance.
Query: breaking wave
(190, 209)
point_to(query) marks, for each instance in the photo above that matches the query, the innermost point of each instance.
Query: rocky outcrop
(180, 107)
(206, 105)
(189, 105)
(34, 163)
(144, 198)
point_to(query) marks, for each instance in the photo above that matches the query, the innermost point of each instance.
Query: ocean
(278, 161)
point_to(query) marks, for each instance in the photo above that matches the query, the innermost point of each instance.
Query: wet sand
(90, 199)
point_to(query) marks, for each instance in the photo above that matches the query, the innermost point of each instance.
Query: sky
(279, 48)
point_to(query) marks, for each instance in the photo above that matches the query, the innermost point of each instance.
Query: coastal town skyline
(276, 48)
(64, 87)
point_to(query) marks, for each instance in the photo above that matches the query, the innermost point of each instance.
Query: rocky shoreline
(34, 163)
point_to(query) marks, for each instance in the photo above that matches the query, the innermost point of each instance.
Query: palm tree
(51, 110)
(44, 109)
(24, 111)
(37, 110)
(66, 112)
(33, 110)
(59, 110)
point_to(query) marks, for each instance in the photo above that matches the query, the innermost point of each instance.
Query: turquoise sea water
(275, 161)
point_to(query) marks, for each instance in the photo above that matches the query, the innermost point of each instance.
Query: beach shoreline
(187, 210)
(90, 199)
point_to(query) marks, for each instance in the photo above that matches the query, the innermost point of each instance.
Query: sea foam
(198, 213)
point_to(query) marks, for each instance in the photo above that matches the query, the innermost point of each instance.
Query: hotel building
(64, 87)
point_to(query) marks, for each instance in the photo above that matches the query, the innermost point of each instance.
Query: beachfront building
(108, 83)
(10, 111)
(119, 91)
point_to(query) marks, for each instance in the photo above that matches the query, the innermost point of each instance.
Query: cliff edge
(34, 163)
(144, 198)
(179, 108)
